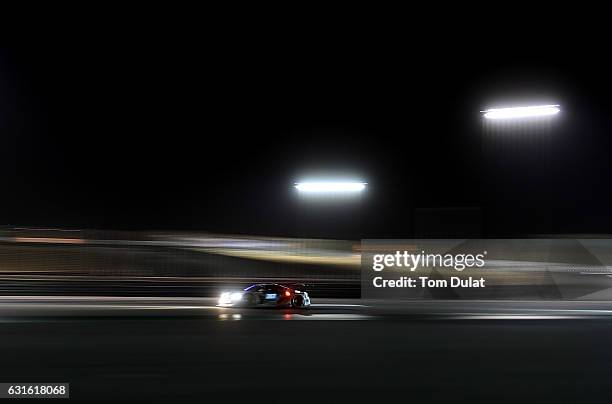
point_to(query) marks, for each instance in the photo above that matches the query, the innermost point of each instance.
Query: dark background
(211, 134)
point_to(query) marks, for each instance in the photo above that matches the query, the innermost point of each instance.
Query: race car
(267, 294)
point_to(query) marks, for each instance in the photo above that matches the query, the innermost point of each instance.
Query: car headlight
(236, 296)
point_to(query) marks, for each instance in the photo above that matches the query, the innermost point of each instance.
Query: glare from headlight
(225, 298)
(228, 298)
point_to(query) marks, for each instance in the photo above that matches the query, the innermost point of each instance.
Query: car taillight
(287, 293)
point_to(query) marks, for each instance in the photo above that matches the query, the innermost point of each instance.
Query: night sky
(211, 136)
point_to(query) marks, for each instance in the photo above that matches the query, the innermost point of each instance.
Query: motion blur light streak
(521, 112)
(302, 257)
(50, 240)
(330, 187)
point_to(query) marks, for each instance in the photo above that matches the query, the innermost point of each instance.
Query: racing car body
(266, 294)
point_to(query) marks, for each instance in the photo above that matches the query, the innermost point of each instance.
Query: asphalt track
(187, 349)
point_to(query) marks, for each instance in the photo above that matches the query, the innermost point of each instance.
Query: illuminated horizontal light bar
(521, 112)
(330, 187)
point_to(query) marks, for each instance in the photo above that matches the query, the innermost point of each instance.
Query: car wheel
(250, 300)
(298, 302)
